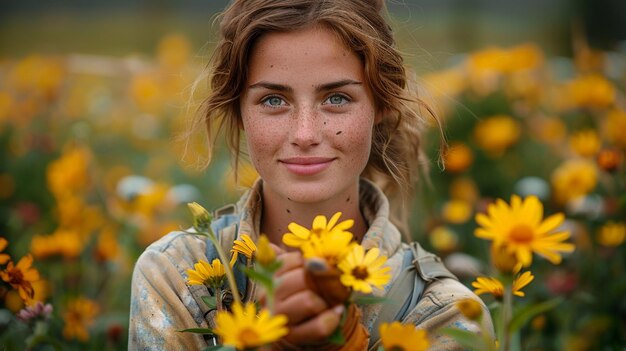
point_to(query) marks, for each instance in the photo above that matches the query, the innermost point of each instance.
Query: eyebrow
(318, 88)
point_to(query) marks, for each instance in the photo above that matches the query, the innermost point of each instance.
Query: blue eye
(337, 99)
(273, 101)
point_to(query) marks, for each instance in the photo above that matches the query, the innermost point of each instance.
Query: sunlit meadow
(95, 165)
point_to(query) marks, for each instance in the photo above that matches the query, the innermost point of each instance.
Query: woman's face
(308, 115)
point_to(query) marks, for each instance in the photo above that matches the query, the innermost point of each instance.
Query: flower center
(360, 272)
(249, 337)
(521, 233)
(16, 277)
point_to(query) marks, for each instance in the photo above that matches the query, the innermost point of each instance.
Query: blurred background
(95, 163)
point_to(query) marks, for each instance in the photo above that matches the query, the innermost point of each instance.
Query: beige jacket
(162, 304)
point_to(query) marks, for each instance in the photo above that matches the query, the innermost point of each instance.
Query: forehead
(316, 52)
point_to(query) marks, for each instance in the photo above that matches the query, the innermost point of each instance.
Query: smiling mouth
(304, 166)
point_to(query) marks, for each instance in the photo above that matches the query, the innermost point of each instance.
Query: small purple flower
(31, 312)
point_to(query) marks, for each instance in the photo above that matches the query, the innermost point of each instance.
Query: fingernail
(339, 309)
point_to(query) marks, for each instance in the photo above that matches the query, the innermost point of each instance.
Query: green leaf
(263, 279)
(522, 316)
(210, 301)
(197, 331)
(469, 339)
(337, 338)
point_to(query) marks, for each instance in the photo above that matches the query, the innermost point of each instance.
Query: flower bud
(201, 217)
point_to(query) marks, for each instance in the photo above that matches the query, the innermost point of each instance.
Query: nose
(306, 128)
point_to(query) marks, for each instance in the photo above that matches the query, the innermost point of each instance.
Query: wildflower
(609, 159)
(395, 336)
(592, 90)
(614, 127)
(146, 91)
(495, 134)
(201, 217)
(298, 234)
(244, 246)
(470, 308)
(443, 239)
(63, 242)
(522, 230)
(456, 211)
(69, 174)
(211, 275)
(21, 277)
(464, 188)
(573, 179)
(107, 247)
(243, 329)
(265, 255)
(494, 287)
(504, 260)
(173, 51)
(78, 317)
(4, 258)
(330, 247)
(458, 158)
(244, 178)
(585, 143)
(39, 310)
(612, 234)
(363, 270)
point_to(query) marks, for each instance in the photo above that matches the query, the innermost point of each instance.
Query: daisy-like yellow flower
(244, 329)
(331, 247)
(585, 143)
(21, 276)
(265, 254)
(299, 235)
(4, 258)
(470, 308)
(212, 275)
(494, 287)
(398, 337)
(612, 234)
(363, 270)
(78, 317)
(521, 229)
(244, 246)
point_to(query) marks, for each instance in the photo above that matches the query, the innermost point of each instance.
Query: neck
(278, 212)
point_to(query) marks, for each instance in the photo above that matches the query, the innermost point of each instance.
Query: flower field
(97, 162)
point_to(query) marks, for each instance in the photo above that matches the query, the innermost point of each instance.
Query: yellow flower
(494, 287)
(63, 242)
(212, 275)
(398, 337)
(495, 134)
(522, 230)
(107, 247)
(549, 130)
(330, 247)
(612, 234)
(443, 239)
(69, 173)
(265, 254)
(146, 89)
(173, 51)
(4, 258)
(21, 277)
(504, 260)
(458, 157)
(363, 270)
(243, 329)
(299, 235)
(585, 143)
(464, 188)
(244, 246)
(591, 91)
(78, 317)
(470, 308)
(573, 179)
(201, 217)
(243, 179)
(456, 211)
(614, 127)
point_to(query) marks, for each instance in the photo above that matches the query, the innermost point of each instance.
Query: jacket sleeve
(437, 309)
(161, 303)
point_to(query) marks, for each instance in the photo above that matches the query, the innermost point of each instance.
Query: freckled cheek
(356, 143)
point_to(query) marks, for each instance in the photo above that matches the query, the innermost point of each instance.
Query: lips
(305, 166)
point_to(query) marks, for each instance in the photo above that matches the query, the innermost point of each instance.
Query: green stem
(507, 314)
(225, 261)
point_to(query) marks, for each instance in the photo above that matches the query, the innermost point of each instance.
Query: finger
(316, 329)
(301, 306)
(277, 249)
(290, 260)
(290, 283)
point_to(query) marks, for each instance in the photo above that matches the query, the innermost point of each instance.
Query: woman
(322, 97)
